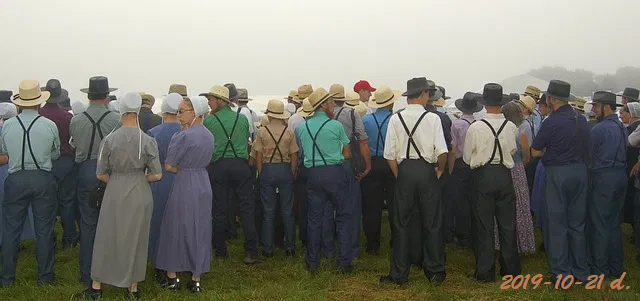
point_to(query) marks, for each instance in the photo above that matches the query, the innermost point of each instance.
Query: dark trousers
(460, 193)
(277, 176)
(449, 221)
(64, 172)
(494, 196)
(232, 229)
(328, 184)
(604, 233)
(24, 188)
(303, 202)
(564, 215)
(87, 181)
(417, 189)
(636, 223)
(377, 187)
(228, 175)
(530, 169)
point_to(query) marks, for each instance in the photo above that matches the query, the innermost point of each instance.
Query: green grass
(280, 278)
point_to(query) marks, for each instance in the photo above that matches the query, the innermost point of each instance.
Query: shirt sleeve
(454, 135)
(258, 145)
(103, 157)
(446, 130)
(153, 158)
(439, 139)
(3, 146)
(391, 140)
(342, 134)
(55, 150)
(469, 145)
(360, 132)
(177, 149)
(634, 138)
(544, 135)
(293, 144)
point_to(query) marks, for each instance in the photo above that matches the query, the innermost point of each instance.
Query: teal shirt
(239, 139)
(45, 142)
(330, 141)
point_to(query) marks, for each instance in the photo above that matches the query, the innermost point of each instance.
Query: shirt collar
(415, 107)
(467, 116)
(382, 110)
(613, 117)
(29, 113)
(493, 116)
(97, 106)
(320, 114)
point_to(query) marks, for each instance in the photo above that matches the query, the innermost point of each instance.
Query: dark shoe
(194, 286)
(291, 253)
(373, 251)
(173, 284)
(161, 277)
(312, 269)
(89, 293)
(347, 269)
(388, 280)
(437, 279)
(251, 259)
(129, 295)
(267, 255)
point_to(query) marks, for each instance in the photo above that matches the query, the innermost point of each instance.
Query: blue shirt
(328, 144)
(526, 129)
(536, 117)
(163, 134)
(45, 142)
(608, 144)
(565, 135)
(376, 125)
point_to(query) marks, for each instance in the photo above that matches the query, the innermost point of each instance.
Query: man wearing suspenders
(326, 146)
(608, 147)
(358, 167)
(87, 131)
(460, 179)
(229, 172)
(379, 185)
(305, 111)
(488, 149)
(563, 144)
(413, 146)
(277, 164)
(29, 144)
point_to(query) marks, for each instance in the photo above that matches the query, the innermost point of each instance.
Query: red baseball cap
(363, 85)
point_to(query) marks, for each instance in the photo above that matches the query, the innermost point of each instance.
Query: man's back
(43, 142)
(62, 119)
(81, 130)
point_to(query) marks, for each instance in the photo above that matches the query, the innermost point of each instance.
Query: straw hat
(178, 88)
(352, 100)
(532, 91)
(383, 97)
(293, 95)
(304, 91)
(578, 104)
(338, 90)
(275, 109)
(440, 102)
(528, 102)
(306, 110)
(319, 97)
(147, 99)
(30, 94)
(218, 92)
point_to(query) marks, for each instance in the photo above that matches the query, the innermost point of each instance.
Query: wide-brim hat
(492, 95)
(604, 97)
(98, 85)
(319, 97)
(559, 90)
(219, 92)
(306, 110)
(30, 94)
(178, 88)
(243, 95)
(528, 102)
(416, 85)
(352, 99)
(304, 91)
(62, 97)
(338, 90)
(383, 97)
(469, 103)
(57, 94)
(630, 93)
(293, 95)
(5, 96)
(532, 91)
(444, 93)
(275, 109)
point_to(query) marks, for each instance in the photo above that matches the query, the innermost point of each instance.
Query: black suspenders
(315, 145)
(496, 143)
(624, 146)
(380, 139)
(467, 121)
(26, 140)
(233, 129)
(277, 143)
(95, 126)
(413, 131)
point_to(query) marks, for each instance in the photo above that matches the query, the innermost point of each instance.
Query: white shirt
(247, 113)
(479, 142)
(428, 137)
(295, 121)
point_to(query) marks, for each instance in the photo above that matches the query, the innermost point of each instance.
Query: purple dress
(184, 244)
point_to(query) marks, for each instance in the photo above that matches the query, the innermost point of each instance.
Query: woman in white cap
(184, 244)
(163, 133)
(127, 162)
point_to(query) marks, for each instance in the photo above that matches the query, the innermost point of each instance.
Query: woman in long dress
(526, 240)
(163, 134)
(185, 232)
(122, 235)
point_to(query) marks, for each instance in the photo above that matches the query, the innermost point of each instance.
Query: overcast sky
(271, 47)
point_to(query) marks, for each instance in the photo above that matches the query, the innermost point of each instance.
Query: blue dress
(160, 189)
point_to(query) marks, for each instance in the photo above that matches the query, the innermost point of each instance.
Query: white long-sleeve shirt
(479, 142)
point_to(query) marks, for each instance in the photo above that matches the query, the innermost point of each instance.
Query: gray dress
(122, 236)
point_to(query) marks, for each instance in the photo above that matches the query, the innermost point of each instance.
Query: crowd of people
(130, 186)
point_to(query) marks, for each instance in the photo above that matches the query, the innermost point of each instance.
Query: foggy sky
(271, 47)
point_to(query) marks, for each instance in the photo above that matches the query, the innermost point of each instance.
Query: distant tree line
(584, 82)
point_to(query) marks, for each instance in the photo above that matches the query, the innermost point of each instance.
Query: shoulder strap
(411, 141)
(467, 121)
(277, 148)
(623, 143)
(380, 138)
(26, 140)
(315, 145)
(233, 129)
(94, 126)
(496, 142)
(339, 112)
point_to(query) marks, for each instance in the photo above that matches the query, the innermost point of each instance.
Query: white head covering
(78, 107)
(130, 103)
(200, 105)
(113, 106)
(291, 108)
(8, 110)
(170, 103)
(634, 109)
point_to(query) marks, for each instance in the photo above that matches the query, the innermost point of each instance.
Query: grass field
(280, 278)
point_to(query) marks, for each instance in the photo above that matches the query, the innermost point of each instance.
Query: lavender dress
(184, 244)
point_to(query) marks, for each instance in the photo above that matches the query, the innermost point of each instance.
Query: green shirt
(330, 141)
(239, 138)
